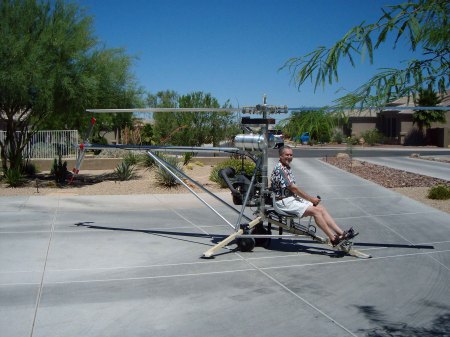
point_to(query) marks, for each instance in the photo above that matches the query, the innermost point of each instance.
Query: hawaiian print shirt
(281, 178)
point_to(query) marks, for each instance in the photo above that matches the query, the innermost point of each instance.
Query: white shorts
(294, 205)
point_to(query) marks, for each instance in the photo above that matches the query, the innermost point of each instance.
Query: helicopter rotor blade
(164, 110)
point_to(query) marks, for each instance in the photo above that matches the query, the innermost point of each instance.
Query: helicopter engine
(239, 185)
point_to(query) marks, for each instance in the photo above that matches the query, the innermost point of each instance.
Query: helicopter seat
(290, 219)
(279, 210)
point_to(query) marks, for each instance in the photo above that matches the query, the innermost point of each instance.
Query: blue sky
(233, 49)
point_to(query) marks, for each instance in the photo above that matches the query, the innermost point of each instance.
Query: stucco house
(397, 124)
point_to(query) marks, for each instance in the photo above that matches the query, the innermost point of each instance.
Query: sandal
(348, 234)
(336, 240)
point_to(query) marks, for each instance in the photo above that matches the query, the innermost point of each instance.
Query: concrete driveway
(130, 266)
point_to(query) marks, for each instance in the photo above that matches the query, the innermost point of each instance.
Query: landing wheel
(246, 244)
(260, 229)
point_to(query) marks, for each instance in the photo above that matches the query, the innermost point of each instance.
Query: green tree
(165, 122)
(113, 86)
(163, 99)
(422, 24)
(147, 134)
(51, 69)
(319, 123)
(190, 128)
(203, 127)
(222, 125)
(424, 118)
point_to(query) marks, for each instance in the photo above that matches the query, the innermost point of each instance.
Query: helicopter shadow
(280, 245)
(169, 234)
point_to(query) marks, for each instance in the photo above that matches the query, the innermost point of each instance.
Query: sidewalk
(130, 266)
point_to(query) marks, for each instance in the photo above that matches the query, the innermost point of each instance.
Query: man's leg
(320, 220)
(329, 220)
(321, 216)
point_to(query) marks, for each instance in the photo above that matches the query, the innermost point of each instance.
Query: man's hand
(299, 192)
(315, 201)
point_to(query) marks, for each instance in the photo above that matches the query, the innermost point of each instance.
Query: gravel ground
(104, 182)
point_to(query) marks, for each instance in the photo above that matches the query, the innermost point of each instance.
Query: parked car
(303, 138)
(276, 137)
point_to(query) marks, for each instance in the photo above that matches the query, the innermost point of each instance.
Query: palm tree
(424, 118)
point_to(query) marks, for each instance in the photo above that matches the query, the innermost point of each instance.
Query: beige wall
(406, 127)
(358, 128)
(441, 125)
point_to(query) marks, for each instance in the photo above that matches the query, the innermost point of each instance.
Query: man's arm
(302, 194)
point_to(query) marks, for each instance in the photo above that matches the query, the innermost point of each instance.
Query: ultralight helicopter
(247, 191)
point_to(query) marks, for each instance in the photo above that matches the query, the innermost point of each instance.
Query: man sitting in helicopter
(293, 200)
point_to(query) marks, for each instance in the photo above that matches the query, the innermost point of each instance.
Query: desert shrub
(131, 158)
(372, 136)
(59, 171)
(352, 140)
(148, 161)
(124, 171)
(338, 137)
(113, 153)
(187, 157)
(439, 192)
(199, 163)
(236, 164)
(14, 178)
(165, 178)
(29, 169)
(324, 138)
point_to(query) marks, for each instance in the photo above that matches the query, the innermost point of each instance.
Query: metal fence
(49, 144)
